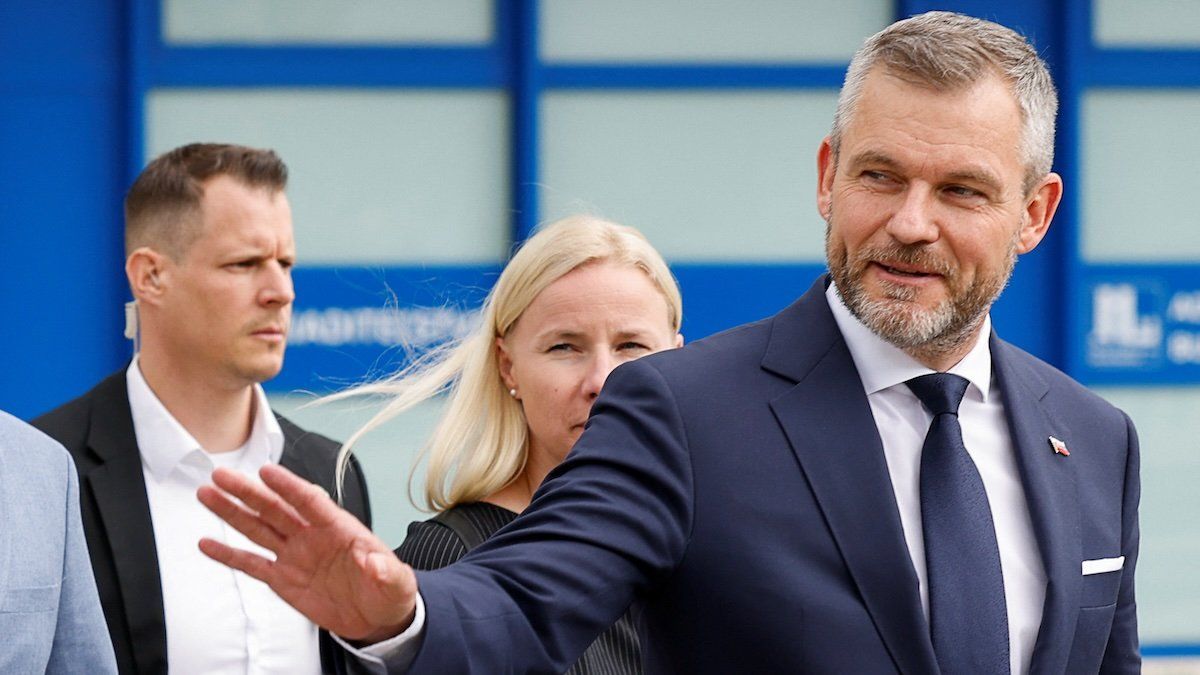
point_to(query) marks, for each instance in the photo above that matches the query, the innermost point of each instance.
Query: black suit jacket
(97, 429)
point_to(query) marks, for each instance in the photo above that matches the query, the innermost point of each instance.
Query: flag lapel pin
(1059, 447)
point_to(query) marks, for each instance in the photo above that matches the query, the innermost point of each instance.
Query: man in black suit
(209, 246)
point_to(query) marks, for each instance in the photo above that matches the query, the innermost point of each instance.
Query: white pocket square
(1102, 565)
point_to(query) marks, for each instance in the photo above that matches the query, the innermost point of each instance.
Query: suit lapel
(293, 459)
(1050, 491)
(829, 425)
(119, 490)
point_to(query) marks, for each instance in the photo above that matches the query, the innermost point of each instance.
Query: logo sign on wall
(351, 325)
(1142, 324)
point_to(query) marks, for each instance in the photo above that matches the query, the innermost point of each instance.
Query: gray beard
(897, 318)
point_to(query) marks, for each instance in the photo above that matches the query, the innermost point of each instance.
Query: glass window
(706, 176)
(679, 30)
(323, 22)
(1168, 588)
(377, 177)
(387, 454)
(1140, 154)
(1160, 23)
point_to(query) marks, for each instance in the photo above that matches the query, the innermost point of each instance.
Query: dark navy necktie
(967, 615)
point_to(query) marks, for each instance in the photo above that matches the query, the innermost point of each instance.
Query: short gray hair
(948, 51)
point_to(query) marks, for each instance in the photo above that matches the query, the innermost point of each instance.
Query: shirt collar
(163, 442)
(882, 365)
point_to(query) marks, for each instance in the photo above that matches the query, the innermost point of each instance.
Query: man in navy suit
(869, 481)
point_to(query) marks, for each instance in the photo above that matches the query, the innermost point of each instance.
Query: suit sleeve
(1122, 654)
(81, 641)
(607, 524)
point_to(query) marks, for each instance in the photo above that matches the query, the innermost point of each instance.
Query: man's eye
(632, 346)
(560, 347)
(963, 191)
(877, 177)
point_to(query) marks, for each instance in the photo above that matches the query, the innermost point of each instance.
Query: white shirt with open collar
(217, 620)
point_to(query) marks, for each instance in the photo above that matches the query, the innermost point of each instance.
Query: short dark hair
(163, 204)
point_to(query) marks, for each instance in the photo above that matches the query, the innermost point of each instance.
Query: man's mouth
(270, 333)
(904, 270)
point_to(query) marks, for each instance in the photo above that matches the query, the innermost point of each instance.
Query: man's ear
(826, 169)
(146, 270)
(1039, 211)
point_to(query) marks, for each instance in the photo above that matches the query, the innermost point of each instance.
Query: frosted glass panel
(684, 30)
(1162, 23)
(708, 177)
(387, 454)
(325, 22)
(1168, 587)
(1141, 155)
(377, 177)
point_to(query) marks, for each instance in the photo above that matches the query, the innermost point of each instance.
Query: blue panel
(632, 76)
(351, 324)
(1170, 650)
(1142, 68)
(61, 127)
(327, 66)
(717, 297)
(526, 99)
(1140, 324)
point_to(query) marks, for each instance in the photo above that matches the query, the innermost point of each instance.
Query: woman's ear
(504, 362)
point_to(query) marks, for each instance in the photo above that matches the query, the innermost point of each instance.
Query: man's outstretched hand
(327, 565)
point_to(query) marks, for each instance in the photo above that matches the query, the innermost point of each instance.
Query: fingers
(309, 501)
(272, 510)
(255, 565)
(241, 519)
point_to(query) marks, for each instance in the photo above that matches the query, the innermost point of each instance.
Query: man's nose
(914, 221)
(277, 286)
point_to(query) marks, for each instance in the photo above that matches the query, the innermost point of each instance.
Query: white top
(218, 621)
(903, 422)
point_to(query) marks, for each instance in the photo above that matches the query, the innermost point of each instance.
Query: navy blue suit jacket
(736, 491)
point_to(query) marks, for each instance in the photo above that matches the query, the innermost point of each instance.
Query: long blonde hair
(480, 443)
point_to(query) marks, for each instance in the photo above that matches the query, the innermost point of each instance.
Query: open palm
(327, 565)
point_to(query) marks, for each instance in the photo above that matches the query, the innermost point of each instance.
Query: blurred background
(426, 138)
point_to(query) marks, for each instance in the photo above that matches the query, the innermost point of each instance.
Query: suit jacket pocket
(1091, 639)
(1100, 590)
(29, 599)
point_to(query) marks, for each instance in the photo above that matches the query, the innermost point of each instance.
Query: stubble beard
(897, 317)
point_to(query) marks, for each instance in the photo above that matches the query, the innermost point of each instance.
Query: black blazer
(97, 429)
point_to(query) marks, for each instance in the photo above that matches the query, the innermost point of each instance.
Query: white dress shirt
(218, 620)
(902, 422)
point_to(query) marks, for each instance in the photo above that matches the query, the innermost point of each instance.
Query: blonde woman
(581, 297)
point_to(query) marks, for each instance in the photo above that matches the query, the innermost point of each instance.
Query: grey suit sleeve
(1122, 654)
(81, 642)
